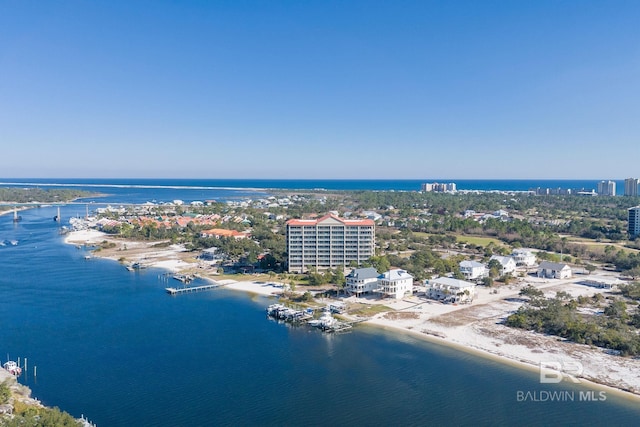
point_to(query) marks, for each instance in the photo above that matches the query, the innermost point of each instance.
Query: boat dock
(187, 289)
(326, 323)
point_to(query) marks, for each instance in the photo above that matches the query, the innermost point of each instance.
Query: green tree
(380, 263)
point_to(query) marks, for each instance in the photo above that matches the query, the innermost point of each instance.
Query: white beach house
(523, 257)
(395, 283)
(554, 270)
(362, 281)
(507, 264)
(472, 270)
(450, 290)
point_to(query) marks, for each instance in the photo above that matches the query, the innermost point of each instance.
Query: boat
(16, 217)
(13, 368)
(184, 278)
(327, 321)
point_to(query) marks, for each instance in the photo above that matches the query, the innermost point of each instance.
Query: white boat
(13, 368)
(327, 321)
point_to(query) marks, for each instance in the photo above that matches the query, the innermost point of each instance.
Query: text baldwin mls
(561, 396)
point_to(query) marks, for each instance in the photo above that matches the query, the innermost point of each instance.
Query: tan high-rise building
(607, 188)
(631, 187)
(328, 242)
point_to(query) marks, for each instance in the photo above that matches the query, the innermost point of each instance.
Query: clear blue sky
(320, 89)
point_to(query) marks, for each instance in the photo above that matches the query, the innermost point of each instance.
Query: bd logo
(555, 372)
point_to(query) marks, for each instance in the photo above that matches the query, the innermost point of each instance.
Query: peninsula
(247, 253)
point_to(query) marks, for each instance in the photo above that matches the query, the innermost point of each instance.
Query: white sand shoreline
(474, 329)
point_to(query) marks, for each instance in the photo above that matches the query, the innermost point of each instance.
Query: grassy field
(474, 240)
(479, 241)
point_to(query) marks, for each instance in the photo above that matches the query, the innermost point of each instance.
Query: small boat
(13, 368)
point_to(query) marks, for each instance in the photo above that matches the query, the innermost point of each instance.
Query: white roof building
(523, 257)
(395, 283)
(508, 264)
(472, 270)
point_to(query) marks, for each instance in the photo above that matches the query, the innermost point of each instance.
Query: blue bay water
(112, 345)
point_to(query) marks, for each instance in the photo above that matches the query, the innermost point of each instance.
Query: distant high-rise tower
(634, 222)
(607, 188)
(631, 187)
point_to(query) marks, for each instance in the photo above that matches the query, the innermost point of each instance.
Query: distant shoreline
(328, 184)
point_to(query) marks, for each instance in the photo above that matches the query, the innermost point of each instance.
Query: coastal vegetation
(608, 323)
(39, 195)
(25, 412)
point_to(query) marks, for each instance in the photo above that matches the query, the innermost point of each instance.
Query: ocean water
(112, 345)
(217, 188)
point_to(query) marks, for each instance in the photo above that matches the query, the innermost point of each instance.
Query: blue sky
(320, 89)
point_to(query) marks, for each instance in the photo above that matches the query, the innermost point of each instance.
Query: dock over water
(186, 289)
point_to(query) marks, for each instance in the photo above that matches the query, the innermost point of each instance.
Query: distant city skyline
(316, 90)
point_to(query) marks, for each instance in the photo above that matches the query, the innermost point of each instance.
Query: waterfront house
(362, 281)
(451, 290)
(523, 257)
(507, 264)
(554, 270)
(472, 270)
(395, 283)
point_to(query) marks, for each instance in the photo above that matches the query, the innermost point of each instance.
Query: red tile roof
(312, 222)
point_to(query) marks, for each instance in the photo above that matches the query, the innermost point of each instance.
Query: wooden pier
(175, 291)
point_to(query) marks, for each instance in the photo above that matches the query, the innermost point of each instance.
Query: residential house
(523, 257)
(362, 281)
(554, 270)
(507, 264)
(395, 283)
(448, 289)
(472, 270)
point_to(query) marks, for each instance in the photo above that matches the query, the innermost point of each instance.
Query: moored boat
(13, 368)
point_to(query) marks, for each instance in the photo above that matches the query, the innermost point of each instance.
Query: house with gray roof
(554, 270)
(450, 290)
(362, 281)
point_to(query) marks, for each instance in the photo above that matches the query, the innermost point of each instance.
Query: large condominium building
(634, 222)
(631, 187)
(437, 187)
(328, 242)
(607, 188)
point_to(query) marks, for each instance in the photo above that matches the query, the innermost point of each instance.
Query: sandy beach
(477, 328)
(474, 328)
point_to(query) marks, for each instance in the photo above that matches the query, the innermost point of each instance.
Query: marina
(326, 322)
